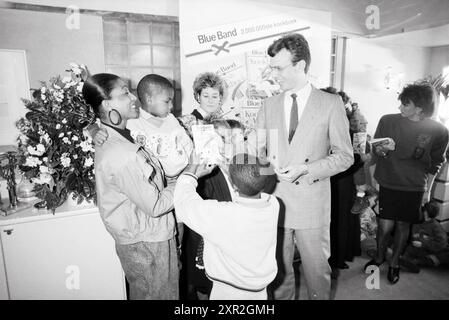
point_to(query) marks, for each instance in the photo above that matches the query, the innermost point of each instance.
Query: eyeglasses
(280, 69)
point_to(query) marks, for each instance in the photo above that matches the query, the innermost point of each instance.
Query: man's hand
(100, 136)
(292, 173)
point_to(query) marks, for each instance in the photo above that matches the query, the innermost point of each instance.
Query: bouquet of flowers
(55, 152)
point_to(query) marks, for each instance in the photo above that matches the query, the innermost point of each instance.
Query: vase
(73, 203)
(25, 190)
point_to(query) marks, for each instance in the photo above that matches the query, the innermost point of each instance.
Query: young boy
(428, 239)
(239, 235)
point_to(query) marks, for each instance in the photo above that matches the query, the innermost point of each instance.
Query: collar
(125, 133)
(114, 136)
(202, 112)
(302, 93)
(156, 121)
(145, 115)
(260, 203)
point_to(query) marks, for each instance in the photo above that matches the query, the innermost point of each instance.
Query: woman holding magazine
(406, 168)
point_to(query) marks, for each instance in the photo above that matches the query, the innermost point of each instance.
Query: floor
(351, 284)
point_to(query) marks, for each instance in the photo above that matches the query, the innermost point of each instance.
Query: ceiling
(395, 16)
(348, 16)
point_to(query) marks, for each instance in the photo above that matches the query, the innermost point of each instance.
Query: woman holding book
(406, 169)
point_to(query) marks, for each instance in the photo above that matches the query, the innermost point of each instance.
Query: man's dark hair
(247, 174)
(432, 209)
(296, 44)
(151, 85)
(422, 96)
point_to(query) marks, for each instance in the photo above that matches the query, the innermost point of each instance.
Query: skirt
(399, 205)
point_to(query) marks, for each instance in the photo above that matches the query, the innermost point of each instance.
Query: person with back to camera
(406, 168)
(134, 199)
(239, 235)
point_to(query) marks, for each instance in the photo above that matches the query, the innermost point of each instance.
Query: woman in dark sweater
(406, 174)
(209, 91)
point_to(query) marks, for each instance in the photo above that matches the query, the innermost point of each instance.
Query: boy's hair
(235, 124)
(218, 123)
(432, 209)
(422, 95)
(151, 85)
(245, 172)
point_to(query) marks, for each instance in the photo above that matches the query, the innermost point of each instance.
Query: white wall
(49, 45)
(439, 58)
(366, 66)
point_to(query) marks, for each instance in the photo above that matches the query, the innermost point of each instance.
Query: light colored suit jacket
(321, 141)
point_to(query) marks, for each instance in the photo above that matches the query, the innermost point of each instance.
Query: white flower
(43, 97)
(45, 159)
(61, 135)
(75, 156)
(36, 152)
(75, 138)
(32, 162)
(58, 126)
(86, 146)
(41, 149)
(43, 90)
(43, 178)
(64, 121)
(46, 178)
(43, 169)
(65, 160)
(88, 162)
(23, 138)
(66, 140)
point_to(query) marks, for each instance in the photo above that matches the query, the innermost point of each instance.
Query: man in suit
(305, 134)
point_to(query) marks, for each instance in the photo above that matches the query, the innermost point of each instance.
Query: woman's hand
(197, 166)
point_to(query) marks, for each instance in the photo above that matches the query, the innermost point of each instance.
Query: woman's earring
(119, 117)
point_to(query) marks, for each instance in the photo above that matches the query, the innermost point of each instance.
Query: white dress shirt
(301, 97)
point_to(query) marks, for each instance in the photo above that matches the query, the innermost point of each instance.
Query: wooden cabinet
(69, 255)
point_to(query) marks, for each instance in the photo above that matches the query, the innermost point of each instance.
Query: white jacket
(239, 236)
